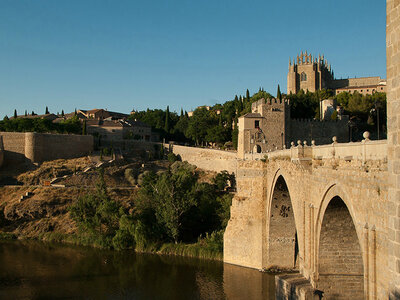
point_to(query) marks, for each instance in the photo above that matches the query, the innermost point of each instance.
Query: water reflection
(35, 270)
(245, 283)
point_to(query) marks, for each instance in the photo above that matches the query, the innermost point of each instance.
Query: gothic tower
(308, 73)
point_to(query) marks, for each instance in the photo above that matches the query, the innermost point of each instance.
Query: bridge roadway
(321, 210)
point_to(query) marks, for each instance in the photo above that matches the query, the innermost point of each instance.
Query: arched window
(303, 77)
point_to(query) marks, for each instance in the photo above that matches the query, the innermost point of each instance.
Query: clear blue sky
(123, 54)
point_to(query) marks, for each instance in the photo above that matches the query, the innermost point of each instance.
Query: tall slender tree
(47, 111)
(278, 93)
(26, 113)
(15, 114)
(84, 127)
(166, 126)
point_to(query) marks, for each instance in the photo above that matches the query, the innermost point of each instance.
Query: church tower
(308, 73)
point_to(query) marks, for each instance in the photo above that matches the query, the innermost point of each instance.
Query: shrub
(173, 158)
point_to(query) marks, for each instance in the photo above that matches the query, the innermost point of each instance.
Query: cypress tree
(15, 114)
(26, 113)
(33, 113)
(235, 133)
(47, 111)
(166, 126)
(278, 93)
(62, 113)
(84, 127)
(247, 95)
(181, 113)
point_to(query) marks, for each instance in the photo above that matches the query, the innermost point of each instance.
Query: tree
(33, 113)
(47, 111)
(84, 127)
(15, 114)
(278, 93)
(166, 126)
(235, 133)
(96, 214)
(26, 113)
(175, 194)
(199, 124)
(62, 113)
(247, 95)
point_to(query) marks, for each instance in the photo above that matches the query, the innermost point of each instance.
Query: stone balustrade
(362, 151)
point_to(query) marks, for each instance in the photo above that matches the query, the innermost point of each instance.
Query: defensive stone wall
(319, 131)
(208, 159)
(14, 147)
(37, 147)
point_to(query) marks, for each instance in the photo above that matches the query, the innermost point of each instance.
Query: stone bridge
(321, 210)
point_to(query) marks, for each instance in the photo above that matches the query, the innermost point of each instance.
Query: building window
(256, 124)
(303, 77)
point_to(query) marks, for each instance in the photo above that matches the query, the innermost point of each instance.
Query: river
(37, 270)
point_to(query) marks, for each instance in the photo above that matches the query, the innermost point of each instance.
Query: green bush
(173, 158)
(96, 215)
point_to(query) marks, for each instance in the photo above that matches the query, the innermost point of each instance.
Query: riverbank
(127, 213)
(203, 249)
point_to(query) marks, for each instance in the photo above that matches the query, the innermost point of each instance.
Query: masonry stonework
(269, 127)
(393, 109)
(208, 159)
(308, 186)
(33, 147)
(309, 73)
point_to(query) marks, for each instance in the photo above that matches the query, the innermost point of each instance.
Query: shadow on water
(36, 270)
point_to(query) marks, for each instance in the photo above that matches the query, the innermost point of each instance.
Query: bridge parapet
(361, 151)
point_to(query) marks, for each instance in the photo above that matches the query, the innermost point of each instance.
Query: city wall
(319, 131)
(33, 147)
(208, 159)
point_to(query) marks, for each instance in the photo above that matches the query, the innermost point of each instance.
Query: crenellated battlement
(269, 104)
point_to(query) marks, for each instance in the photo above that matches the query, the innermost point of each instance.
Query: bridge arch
(339, 259)
(282, 241)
